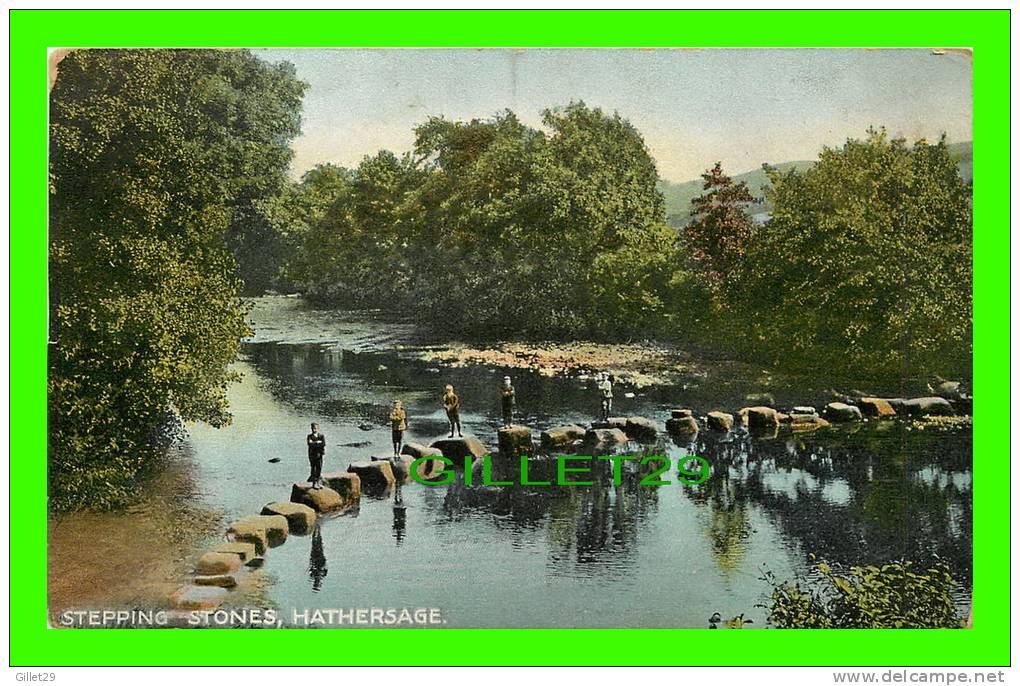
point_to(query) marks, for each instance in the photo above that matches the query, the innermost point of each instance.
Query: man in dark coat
(316, 451)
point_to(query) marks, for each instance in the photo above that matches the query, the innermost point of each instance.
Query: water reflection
(317, 560)
(399, 515)
(869, 494)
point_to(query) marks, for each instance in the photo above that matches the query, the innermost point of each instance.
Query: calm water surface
(626, 556)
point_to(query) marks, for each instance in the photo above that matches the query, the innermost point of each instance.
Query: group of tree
(863, 268)
(157, 159)
(495, 228)
(491, 228)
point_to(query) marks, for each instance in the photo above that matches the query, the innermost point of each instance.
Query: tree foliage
(154, 156)
(893, 596)
(719, 231)
(866, 263)
(494, 227)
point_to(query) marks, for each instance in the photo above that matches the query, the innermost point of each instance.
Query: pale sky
(693, 107)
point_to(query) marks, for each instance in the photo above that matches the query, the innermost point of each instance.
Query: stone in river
(429, 468)
(760, 418)
(514, 441)
(803, 409)
(401, 467)
(197, 597)
(245, 551)
(416, 450)
(601, 438)
(300, 517)
(347, 484)
(681, 413)
(918, 407)
(277, 527)
(614, 423)
(641, 429)
(805, 422)
(561, 436)
(319, 499)
(682, 425)
(215, 562)
(950, 390)
(375, 475)
(221, 580)
(458, 448)
(842, 412)
(249, 532)
(720, 421)
(876, 407)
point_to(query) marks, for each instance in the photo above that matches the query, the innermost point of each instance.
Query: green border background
(33, 31)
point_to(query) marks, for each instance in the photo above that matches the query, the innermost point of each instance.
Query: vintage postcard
(510, 338)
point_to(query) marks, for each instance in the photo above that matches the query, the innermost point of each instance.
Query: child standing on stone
(605, 386)
(507, 402)
(451, 403)
(398, 423)
(316, 450)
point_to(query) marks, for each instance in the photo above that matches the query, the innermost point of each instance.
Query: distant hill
(679, 195)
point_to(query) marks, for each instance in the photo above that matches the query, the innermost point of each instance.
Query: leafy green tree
(893, 596)
(309, 212)
(153, 155)
(539, 233)
(355, 248)
(866, 263)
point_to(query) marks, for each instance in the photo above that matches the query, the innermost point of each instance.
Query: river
(630, 556)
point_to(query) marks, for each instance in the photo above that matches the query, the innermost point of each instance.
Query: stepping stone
(682, 425)
(919, 407)
(642, 429)
(374, 475)
(215, 562)
(432, 469)
(401, 467)
(347, 484)
(805, 422)
(876, 407)
(221, 580)
(514, 441)
(841, 412)
(760, 417)
(604, 437)
(197, 597)
(416, 450)
(264, 530)
(458, 448)
(300, 518)
(319, 499)
(720, 421)
(245, 551)
(561, 436)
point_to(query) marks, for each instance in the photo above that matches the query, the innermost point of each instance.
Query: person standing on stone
(316, 451)
(398, 423)
(605, 386)
(451, 403)
(507, 402)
